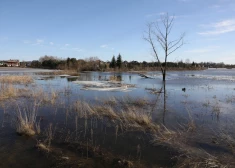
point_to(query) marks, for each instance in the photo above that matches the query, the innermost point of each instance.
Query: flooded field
(111, 119)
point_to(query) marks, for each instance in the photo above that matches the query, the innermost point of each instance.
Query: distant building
(12, 63)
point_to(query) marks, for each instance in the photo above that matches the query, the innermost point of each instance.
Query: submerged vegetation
(116, 131)
(25, 119)
(8, 91)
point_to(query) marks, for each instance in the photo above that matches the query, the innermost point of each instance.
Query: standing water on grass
(111, 119)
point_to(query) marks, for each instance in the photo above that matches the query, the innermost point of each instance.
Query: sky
(81, 29)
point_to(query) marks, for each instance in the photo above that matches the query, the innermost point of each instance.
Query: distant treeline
(95, 64)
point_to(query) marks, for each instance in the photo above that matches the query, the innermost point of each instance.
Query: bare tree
(160, 33)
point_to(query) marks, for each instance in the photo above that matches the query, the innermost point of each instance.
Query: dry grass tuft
(128, 116)
(49, 97)
(137, 102)
(107, 111)
(111, 101)
(138, 118)
(42, 147)
(8, 91)
(115, 78)
(25, 119)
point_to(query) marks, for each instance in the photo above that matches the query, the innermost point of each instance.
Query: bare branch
(160, 34)
(150, 40)
(182, 43)
(176, 42)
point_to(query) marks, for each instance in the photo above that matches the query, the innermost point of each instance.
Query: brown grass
(115, 78)
(7, 91)
(25, 118)
(48, 97)
(127, 116)
(42, 147)
(14, 79)
(60, 72)
(199, 162)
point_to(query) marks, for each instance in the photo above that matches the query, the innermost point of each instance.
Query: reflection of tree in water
(130, 78)
(71, 79)
(164, 106)
(160, 102)
(48, 78)
(119, 77)
(86, 77)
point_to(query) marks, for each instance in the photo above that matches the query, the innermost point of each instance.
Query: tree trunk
(164, 76)
(164, 108)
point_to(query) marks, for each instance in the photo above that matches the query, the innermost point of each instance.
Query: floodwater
(207, 96)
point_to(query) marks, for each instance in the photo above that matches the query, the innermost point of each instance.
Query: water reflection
(72, 79)
(164, 109)
(47, 78)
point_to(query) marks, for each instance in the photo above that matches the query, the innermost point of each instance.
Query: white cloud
(221, 27)
(104, 46)
(51, 43)
(66, 45)
(225, 23)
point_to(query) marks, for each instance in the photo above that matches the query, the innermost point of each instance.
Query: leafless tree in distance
(159, 33)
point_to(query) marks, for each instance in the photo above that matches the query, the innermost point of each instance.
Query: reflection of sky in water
(213, 87)
(199, 91)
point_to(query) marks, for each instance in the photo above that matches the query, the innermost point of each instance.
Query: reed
(42, 147)
(25, 118)
(127, 116)
(8, 91)
(16, 79)
(115, 78)
(60, 72)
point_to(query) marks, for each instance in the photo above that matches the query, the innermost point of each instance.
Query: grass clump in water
(16, 79)
(25, 119)
(7, 91)
(60, 72)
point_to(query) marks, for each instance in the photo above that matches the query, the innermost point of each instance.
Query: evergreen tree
(113, 63)
(68, 62)
(119, 61)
